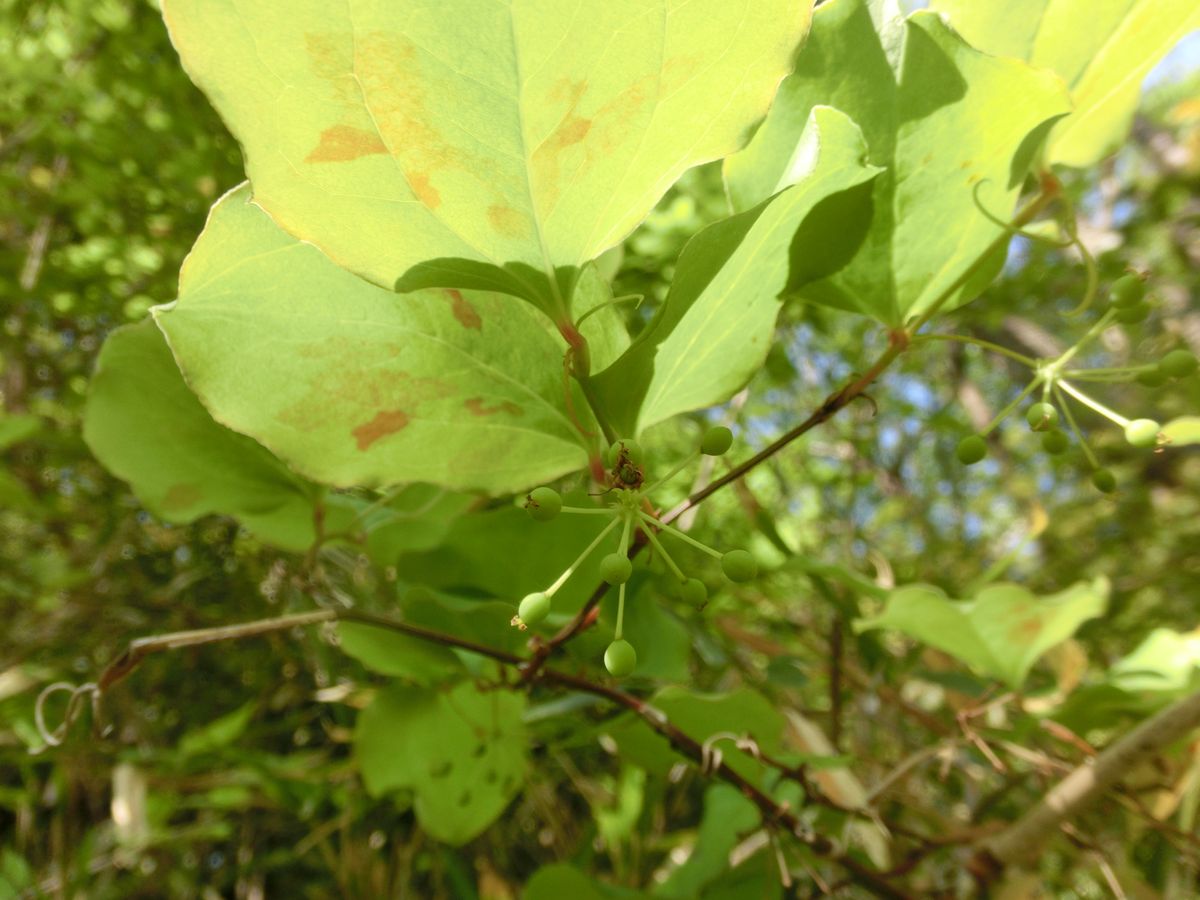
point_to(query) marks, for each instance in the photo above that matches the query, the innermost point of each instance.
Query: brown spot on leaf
(181, 496)
(343, 143)
(464, 311)
(1026, 630)
(506, 220)
(386, 422)
(424, 191)
(475, 406)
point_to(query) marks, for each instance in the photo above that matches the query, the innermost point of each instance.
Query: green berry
(620, 658)
(543, 503)
(1041, 417)
(716, 441)
(971, 450)
(1131, 315)
(1055, 442)
(694, 592)
(1142, 432)
(534, 608)
(616, 568)
(1178, 364)
(739, 565)
(632, 450)
(1104, 480)
(1152, 378)
(1128, 290)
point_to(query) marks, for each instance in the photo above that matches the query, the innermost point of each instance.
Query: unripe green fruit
(534, 608)
(1178, 364)
(543, 503)
(616, 568)
(1142, 432)
(1152, 378)
(1128, 290)
(620, 658)
(633, 452)
(1131, 315)
(694, 592)
(1041, 417)
(1055, 442)
(739, 565)
(716, 441)
(971, 450)
(1104, 480)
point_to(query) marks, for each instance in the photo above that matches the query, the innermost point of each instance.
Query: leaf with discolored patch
(1103, 63)
(146, 427)
(460, 751)
(354, 386)
(999, 633)
(714, 330)
(942, 119)
(481, 144)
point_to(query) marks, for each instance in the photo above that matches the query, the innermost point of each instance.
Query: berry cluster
(629, 509)
(1128, 305)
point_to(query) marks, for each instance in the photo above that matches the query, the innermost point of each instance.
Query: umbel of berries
(629, 511)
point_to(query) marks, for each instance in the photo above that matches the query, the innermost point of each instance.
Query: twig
(1024, 839)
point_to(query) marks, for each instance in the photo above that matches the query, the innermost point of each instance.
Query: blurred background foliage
(227, 771)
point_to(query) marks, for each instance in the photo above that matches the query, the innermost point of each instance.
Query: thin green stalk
(620, 612)
(1093, 404)
(587, 511)
(1007, 411)
(1075, 429)
(649, 532)
(1112, 370)
(682, 535)
(562, 579)
(687, 461)
(979, 342)
(1100, 324)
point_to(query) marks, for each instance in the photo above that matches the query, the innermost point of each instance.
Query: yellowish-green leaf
(474, 143)
(1103, 50)
(354, 386)
(954, 128)
(1183, 431)
(1000, 633)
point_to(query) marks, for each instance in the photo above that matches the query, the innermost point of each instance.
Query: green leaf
(505, 553)
(219, 733)
(352, 385)
(740, 712)
(1102, 50)
(147, 427)
(494, 142)
(1183, 431)
(714, 330)
(1000, 633)
(17, 427)
(942, 118)
(398, 655)
(418, 518)
(554, 882)
(727, 814)
(461, 752)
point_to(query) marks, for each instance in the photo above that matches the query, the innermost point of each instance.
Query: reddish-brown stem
(774, 814)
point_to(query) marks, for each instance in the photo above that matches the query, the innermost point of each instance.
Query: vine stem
(774, 813)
